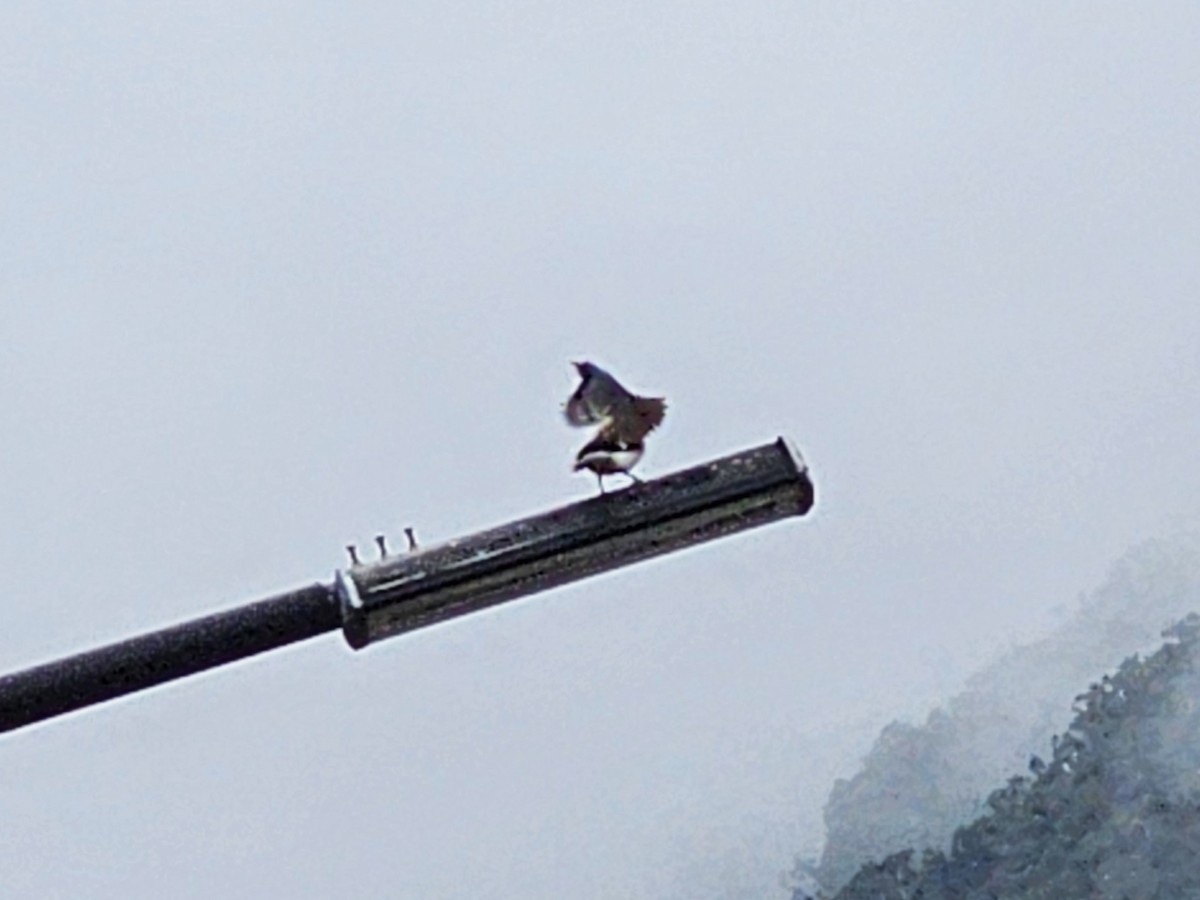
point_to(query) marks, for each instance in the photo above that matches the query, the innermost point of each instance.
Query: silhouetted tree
(1115, 813)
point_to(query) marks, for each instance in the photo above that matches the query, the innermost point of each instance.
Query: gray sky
(278, 276)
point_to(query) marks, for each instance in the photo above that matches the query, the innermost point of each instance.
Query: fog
(277, 277)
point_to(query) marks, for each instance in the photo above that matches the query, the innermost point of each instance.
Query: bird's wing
(652, 410)
(631, 422)
(596, 400)
(579, 412)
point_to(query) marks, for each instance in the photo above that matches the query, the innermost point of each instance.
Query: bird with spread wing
(623, 419)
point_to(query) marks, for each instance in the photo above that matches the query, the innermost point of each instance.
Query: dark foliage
(1114, 814)
(921, 783)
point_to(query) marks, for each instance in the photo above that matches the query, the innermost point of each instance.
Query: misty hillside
(1114, 812)
(920, 784)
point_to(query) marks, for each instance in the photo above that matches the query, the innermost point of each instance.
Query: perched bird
(602, 400)
(624, 420)
(606, 454)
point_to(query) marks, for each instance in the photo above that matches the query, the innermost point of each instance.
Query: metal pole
(463, 576)
(142, 662)
(399, 593)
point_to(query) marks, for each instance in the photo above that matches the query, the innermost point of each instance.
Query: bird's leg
(636, 480)
(600, 478)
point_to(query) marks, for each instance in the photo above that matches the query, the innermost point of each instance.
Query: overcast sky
(275, 277)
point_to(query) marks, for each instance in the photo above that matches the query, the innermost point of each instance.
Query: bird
(602, 400)
(606, 454)
(623, 417)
